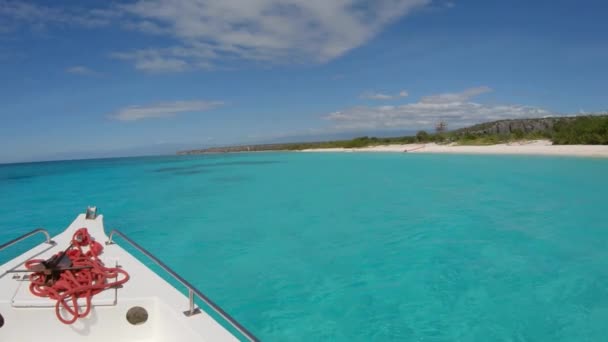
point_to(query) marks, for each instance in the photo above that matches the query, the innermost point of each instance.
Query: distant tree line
(580, 130)
(583, 130)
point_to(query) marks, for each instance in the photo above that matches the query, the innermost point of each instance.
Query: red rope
(91, 278)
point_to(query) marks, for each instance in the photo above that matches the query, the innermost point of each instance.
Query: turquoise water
(355, 247)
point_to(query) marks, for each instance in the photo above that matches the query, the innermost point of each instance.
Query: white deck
(30, 318)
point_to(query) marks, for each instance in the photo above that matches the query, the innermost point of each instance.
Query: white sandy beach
(536, 147)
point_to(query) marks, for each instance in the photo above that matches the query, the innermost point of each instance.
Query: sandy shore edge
(536, 147)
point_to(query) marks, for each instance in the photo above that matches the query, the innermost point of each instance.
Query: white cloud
(381, 96)
(163, 110)
(16, 13)
(279, 31)
(160, 64)
(204, 33)
(455, 108)
(376, 96)
(83, 71)
(456, 97)
(22, 11)
(159, 61)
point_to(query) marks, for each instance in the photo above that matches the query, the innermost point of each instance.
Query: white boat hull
(107, 321)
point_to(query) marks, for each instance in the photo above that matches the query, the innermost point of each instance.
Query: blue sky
(114, 78)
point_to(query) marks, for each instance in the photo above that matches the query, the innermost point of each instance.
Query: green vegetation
(584, 130)
(354, 143)
(493, 139)
(591, 130)
(587, 130)
(422, 136)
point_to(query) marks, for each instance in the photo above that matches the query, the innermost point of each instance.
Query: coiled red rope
(86, 277)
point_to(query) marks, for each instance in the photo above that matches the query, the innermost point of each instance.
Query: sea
(353, 246)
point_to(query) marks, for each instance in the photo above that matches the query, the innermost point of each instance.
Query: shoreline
(535, 147)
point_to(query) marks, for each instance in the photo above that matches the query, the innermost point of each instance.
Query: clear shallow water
(355, 246)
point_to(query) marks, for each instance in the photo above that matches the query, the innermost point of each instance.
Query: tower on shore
(441, 127)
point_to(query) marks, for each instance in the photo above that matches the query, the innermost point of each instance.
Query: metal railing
(27, 235)
(191, 289)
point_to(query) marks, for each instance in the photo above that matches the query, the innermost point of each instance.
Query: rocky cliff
(540, 125)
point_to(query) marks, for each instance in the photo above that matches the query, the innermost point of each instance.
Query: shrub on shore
(584, 130)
